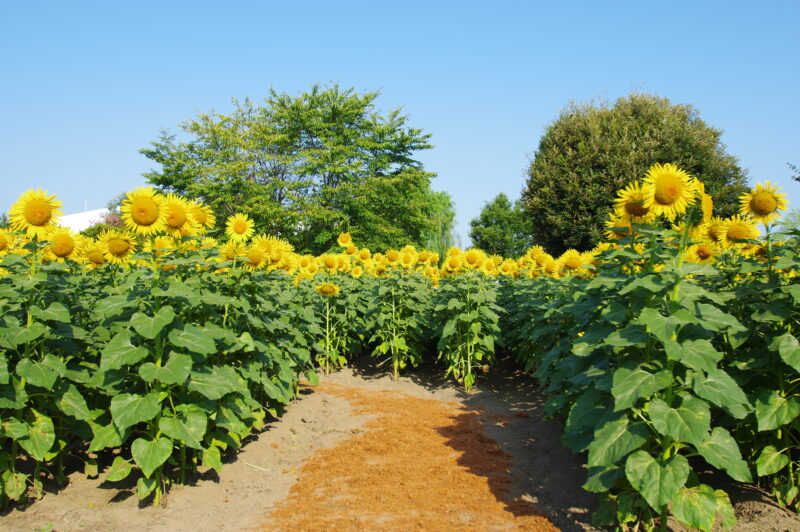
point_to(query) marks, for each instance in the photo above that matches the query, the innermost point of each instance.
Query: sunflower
(327, 289)
(35, 213)
(713, 230)
(255, 257)
(702, 253)
(474, 258)
(351, 250)
(6, 241)
(453, 251)
(160, 245)
(301, 276)
(452, 264)
(509, 267)
(356, 272)
(141, 211)
(408, 259)
(669, 190)
(572, 259)
(239, 227)
(93, 253)
(230, 250)
(178, 220)
(344, 240)
(630, 203)
(329, 262)
(364, 255)
(117, 246)
(735, 229)
(392, 256)
(763, 202)
(203, 215)
(64, 244)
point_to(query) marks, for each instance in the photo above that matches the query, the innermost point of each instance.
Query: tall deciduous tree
(305, 168)
(501, 228)
(591, 151)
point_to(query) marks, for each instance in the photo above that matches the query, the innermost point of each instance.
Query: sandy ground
(362, 452)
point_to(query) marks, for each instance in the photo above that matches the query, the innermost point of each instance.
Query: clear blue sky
(85, 85)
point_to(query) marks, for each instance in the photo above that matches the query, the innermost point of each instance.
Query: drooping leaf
(615, 440)
(194, 339)
(175, 371)
(696, 507)
(121, 352)
(630, 384)
(721, 451)
(689, 422)
(150, 326)
(150, 454)
(657, 480)
(189, 426)
(129, 409)
(770, 461)
(774, 411)
(119, 470)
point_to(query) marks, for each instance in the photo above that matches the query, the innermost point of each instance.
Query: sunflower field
(669, 352)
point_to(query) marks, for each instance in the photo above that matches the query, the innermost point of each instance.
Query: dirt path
(361, 452)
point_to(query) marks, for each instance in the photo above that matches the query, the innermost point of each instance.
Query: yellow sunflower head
(117, 246)
(572, 260)
(93, 253)
(356, 272)
(669, 190)
(141, 211)
(630, 203)
(474, 258)
(203, 215)
(35, 213)
(344, 240)
(64, 245)
(736, 229)
(239, 227)
(702, 253)
(327, 289)
(178, 220)
(763, 203)
(364, 255)
(618, 227)
(453, 251)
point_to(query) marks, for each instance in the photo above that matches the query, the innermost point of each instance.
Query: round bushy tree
(591, 151)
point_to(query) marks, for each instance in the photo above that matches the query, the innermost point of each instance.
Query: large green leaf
(694, 354)
(212, 459)
(106, 436)
(175, 371)
(119, 470)
(696, 507)
(630, 384)
(37, 373)
(587, 411)
(14, 485)
(70, 401)
(774, 411)
(721, 451)
(55, 312)
(770, 461)
(4, 376)
(789, 349)
(714, 319)
(194, 339)
(657, 480)
(189, 426)
(689, 422)
(216, 381)
(615, 440)
(40, 437)
(719, 388)
(150, 326)
(129, 409)
(121, 352)
(150, 454)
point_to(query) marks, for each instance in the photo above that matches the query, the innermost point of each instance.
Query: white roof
(82, 220)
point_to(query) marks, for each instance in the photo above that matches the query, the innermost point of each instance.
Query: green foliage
(466, 317)
(501, 228)
(400, 306)
(305, 168)
(590, 152)
(654, 361)
(441, 236)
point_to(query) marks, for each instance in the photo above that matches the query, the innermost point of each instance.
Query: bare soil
(361, 452)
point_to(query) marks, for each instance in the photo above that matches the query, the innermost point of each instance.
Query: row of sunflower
(675, 354)
(173, 346)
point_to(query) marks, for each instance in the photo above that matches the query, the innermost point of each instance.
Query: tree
(304, 168)
(501, 228)
(441, 236)
(590, 152)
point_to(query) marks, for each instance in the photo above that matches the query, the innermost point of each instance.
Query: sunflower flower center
(763, 203)
(118, 247)
(3, 242)
(668, 189)
(704, 252)
(176, 218)
(240, 227)
(572, 263)
(144, 211)
(38, 212)
(636, 208)
(737, 232)
(63, 246)
(96, 257)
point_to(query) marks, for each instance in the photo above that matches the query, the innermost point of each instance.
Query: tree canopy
(501, 228)
(591, 151)
(305, 168)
